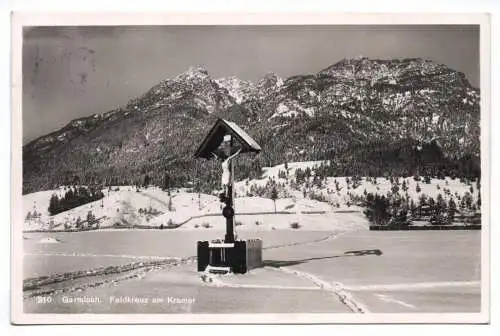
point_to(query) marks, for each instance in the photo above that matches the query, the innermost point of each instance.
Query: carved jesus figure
(226, 169)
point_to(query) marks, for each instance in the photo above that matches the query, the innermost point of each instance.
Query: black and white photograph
(307, 172)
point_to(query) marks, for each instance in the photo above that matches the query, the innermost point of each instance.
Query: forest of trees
(73, 197)
(374, 159)
(396, 210)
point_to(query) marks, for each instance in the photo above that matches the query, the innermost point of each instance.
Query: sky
(72, 72)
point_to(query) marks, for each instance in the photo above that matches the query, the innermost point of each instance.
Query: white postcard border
(20, 19)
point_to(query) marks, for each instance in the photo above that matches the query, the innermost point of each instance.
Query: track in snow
(80, 280)
(337, 290)
(414, 286)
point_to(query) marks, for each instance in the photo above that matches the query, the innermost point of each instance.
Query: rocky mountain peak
(355, 102)
(270, 80)
(197, 69)
(197, 72)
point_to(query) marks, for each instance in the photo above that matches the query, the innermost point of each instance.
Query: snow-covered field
(319, 256)
(357, 271)
(82, 250)
(403, 271)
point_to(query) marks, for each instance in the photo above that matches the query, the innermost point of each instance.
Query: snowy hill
(313, 202)
(121, 208)
(341, 190)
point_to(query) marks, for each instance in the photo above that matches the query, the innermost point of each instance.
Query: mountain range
(367, 116)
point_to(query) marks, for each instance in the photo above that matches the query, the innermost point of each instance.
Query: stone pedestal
(238, 257)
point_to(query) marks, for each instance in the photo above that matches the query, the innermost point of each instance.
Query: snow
(203, 104)
(241, 187)
(194, 72)
(319, 257)
(435, 118)
(283, 111)
(49, 240)
(190, 209)
(267, 222)
(237, 88)
(449, 267)
(384, 186)
(292, 167)
(338, 200)
(117, 206)
(279, 81)
(265, 277)
(121, 205)
(292, 108)
(39, 201)
(309, 111)
(282, 108)
(311, 267)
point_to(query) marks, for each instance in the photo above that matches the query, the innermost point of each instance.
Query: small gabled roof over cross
(216, 135)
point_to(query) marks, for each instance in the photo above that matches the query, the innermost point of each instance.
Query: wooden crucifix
(229, 140)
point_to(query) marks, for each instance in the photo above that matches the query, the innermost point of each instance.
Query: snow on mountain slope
(292, 167)
(239, 89)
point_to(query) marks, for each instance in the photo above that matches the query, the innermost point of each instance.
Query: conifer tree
(274, 197)
(54, 206)
(452, 209)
